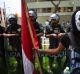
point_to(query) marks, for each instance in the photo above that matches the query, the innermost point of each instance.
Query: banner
(29, 40)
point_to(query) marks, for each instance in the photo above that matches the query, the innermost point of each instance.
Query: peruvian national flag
(29, 39)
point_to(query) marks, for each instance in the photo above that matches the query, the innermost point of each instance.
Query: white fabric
(77, 20)
(28, 66)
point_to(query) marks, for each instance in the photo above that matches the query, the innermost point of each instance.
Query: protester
(71, 41)
(52, 30)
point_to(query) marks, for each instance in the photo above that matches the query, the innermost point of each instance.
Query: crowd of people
(68, 40)
(62, 38)
(59, 40)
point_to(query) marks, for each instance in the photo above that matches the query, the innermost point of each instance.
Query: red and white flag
(28, 38)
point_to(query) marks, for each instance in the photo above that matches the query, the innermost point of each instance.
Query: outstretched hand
(54, 35)
(60, 35)
(57, 35)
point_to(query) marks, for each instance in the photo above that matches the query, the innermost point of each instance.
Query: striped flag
(29, 40)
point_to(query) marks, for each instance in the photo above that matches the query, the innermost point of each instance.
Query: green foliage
(57, 66)
(14, 65)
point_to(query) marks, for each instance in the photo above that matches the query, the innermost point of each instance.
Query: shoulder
(65, 40)
(61, 28)
(9, 27)
(48, 26)
(2, 28)
(18, 25)
(37, 23)
(66, 37)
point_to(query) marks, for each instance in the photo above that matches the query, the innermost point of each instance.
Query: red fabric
(26, 36)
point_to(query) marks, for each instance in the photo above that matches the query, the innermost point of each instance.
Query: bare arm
(52, 35)
(9, 35)
(55, 35)
(53, 51)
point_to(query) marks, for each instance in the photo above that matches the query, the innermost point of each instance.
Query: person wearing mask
(71, 41)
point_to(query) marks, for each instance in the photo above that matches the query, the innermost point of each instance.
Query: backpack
(74, 53)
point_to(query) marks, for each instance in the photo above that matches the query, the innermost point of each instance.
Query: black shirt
(14, 29)
(38, 30)
(65, 41)
(37, 27)
(54, 30)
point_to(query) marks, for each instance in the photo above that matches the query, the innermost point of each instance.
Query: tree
(56, 5)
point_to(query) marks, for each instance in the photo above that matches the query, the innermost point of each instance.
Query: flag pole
(5, 16)
(31, 34)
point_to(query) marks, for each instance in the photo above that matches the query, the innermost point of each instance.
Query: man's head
(12, 19)
(33, 15)
(54, 18)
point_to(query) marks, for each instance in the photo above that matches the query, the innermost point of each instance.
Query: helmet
(11, 18)
(33, 13)
(54, 16)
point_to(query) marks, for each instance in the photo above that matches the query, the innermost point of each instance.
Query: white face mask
(77, 20)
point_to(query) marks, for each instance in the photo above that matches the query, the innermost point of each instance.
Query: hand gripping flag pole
(29, 41)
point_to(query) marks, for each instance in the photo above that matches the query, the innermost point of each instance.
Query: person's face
(13, 21)
(54, 22)
(32, 19)
(77, 20)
